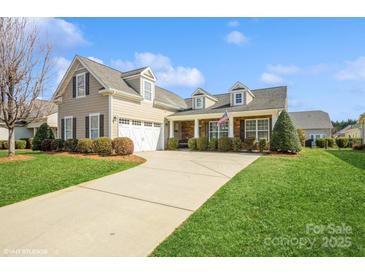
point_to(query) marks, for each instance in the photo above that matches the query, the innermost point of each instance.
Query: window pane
(81, 85)
(263, 135)
(224, 127)
(251, 134)
(94, 122)
(199, 102)
(94, 133)
(251, 125)
(238, 97)
(147, 90)
(213, 126)
(262, 124)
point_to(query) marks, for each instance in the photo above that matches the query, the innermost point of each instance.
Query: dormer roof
(200, 91)
(238, 86)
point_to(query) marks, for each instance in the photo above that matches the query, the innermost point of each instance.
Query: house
(316, 124)
(95, 100)
(361, 122)
(350, 131)
(43, 112)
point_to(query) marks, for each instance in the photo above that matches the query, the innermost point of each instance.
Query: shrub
(284, 136)
(2, 144)
(236, 144)
(70, 145)
(354, 141)
(46, 145)
(123, 146)
(172, 144)
(57, 144)
(28, 141)
(330, 142)
(213, 144)
(301, 136)
(308, 143)
(44, 132)
(342, 142)
(20, 144)
(202, 143)
(262, 145)
(224, 144)
(320, 142)
(192, 144)
(102, 146)
(249, 144)
(5, 145)
(85, 145)
(358, 147)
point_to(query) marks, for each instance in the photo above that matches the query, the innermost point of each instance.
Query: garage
(146, 135)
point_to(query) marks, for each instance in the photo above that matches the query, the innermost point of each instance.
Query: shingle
(170, 98)
(315, 119)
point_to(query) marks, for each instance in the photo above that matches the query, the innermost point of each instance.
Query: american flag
(224, 118)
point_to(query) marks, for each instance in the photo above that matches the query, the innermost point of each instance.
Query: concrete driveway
(124, 214)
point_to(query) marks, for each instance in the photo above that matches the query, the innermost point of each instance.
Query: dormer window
(147, 90)
(238, 100)
(80, 85)
(199, 102)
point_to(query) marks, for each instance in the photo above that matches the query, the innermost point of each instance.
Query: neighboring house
(361, 122)
(316, 124)
(350, 131)
(95, 100)
(43, 112)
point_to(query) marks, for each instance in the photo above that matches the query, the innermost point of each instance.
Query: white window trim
(93, 115)
(77, 87)
(257, 130)
(195, 102)
(218, 129)
(72, 126)
(234, 98)
(152, 90)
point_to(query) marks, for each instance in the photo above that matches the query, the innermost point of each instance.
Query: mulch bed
(125, 158)
(16, 158)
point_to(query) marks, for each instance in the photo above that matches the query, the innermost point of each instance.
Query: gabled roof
(199, 91)
(315, 119)
(267, 98)
(239, 86)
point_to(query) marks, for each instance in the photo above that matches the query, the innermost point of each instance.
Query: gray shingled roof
(315, 119)
(133, 72)
(267, 98)
(170, 98)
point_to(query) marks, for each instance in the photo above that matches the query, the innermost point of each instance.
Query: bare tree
(24, 64)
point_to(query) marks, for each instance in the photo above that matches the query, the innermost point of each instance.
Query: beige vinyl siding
(82, 107)
(143, 111)
(135, 83)
(324, 131)
(208, 102)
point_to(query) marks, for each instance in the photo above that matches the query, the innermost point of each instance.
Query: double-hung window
(80, 85)
(238, 100)
(147, 91)
(199, 102)
(68, 128)
(257, 128)
(94, 125)
(217, 131)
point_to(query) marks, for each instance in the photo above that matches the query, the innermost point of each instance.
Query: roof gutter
(159, 103)
(119, 93)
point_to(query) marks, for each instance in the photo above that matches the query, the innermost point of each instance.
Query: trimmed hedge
(57, 144)
(224, 144)
(342, 142)
(85, 145)
(172, 144)
(249, 144)
(123, 146)
(46, 145)
(2, 144)
(103, 146)
(20, 144)
(321, 142)
(213, 144)
(44, 132)
(192, 144)
(28, 141)
(236, 144)
(202, 143)
(71, 145)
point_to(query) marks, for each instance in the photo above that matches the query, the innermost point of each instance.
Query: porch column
(231, 127)
(196, 128)
(171, 129)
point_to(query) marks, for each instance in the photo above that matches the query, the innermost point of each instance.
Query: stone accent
(187, 129)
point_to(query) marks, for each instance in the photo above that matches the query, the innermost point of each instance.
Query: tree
(44, 132)
(284, 136)
(24, 64)
(338, 125)
(301, 136)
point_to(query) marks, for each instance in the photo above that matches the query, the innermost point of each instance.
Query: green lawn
(20, 180)
(264, 210)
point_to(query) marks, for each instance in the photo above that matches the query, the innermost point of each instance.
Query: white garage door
(146, 136)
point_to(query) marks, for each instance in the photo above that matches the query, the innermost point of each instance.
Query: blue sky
(321, 60)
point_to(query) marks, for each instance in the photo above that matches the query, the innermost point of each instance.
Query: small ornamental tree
(301, 136)
(44, 132)
(284, 136)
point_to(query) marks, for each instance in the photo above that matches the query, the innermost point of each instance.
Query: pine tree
(284, 136)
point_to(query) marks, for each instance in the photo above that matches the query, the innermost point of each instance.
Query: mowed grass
(20, 180)
(264, 210)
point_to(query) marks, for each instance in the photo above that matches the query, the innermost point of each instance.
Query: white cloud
(236, 37)
(272, 79)
(233, 23)
(283, 69)
(354, 70)
(166, 73)
(96, 59)
(60, 66)
(59, 32)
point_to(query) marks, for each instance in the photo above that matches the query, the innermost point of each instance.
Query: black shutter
(101, 125)
(270, 128)
(74, 86)
(87, 83)
(87, 127)
(63, 129)
(242, 129)
(74, 128)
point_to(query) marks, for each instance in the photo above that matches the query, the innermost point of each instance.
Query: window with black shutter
(74, 86)
(74, 128)
(87, 128)
(87, 83)
(101, 125)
